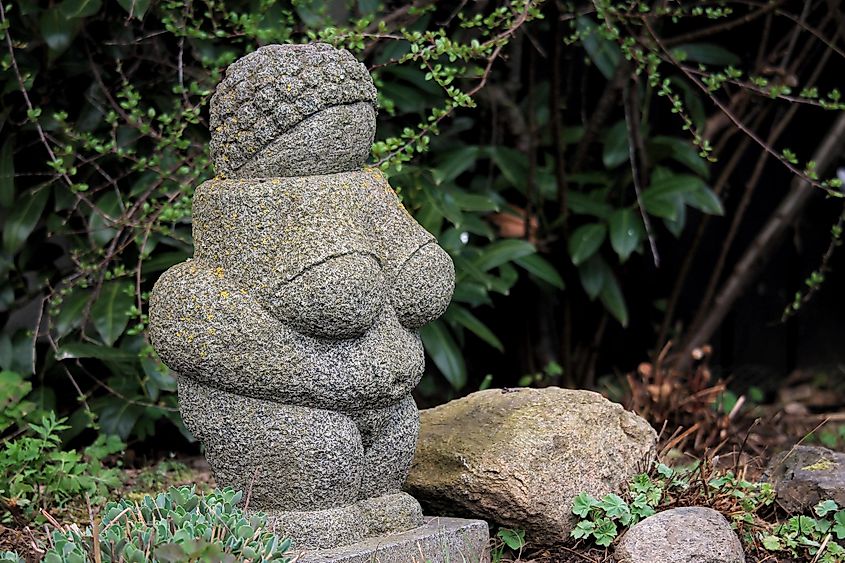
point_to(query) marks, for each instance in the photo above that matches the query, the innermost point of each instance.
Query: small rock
(519, 457)
(805, 475)
(681, 535)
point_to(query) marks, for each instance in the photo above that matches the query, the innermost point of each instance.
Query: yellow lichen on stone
(224, 294)
(219, 272)
(820, 465)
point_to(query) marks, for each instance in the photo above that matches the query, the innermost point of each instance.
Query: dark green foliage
(110, 111)
(105, 135)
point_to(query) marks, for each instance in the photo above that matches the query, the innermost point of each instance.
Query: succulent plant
(178, 525)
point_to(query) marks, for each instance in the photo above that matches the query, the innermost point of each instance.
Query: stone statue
(293, 329)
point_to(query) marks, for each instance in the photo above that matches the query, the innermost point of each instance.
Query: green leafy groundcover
(816, 537)
(36, 473)
(178, 525)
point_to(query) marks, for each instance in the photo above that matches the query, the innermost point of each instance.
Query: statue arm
(207, 328)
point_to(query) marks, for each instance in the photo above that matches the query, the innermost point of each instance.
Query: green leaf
(474, 202)
(444, 352)
(676, 225)
(826, 506)
(614, 506)
(460, 315)
(626, 232)
(771, 543)
(602, 52)
(453, 163)
(366, 7)
(541, 268)
(472, 293)
(70, 314)
(163, 260)
(664, 194)
(117, 416)
(512, 163)
(514, 539)
(704, 199)
(585, 241)
(435, 197)
(502, 251)
(589, 204)
(78, 350)
(839, 525)
(615, 145)
(56, 31)
(79, 8)
(110, 312)
(706, 53)
(593, 273)
(611, 297)
(158, 374)
(135, 8)
(583, 529)
(7, 172)
(23, 218)
(100, 229)
(312, 13)
(582, 504)
(692, 101)
(682, 151)
(605, 532)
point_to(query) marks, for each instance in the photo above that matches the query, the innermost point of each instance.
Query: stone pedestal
(438, 540)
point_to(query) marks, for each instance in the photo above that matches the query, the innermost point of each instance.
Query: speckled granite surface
(293, 330)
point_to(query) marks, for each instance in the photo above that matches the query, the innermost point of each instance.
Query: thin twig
(22, 87)
(724, 26)
(729, 114)
(633, 132)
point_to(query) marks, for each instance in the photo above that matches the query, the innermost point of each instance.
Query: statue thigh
(389, 437)
(283, 457)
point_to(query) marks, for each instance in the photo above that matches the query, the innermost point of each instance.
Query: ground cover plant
(37, 474)
(173, 526)
(767, 533)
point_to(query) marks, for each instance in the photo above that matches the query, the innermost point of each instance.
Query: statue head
(293, 110)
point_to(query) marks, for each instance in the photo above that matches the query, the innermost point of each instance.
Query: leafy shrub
(116, 120)
(106, 139)
(175, 526)
(13, 406)
(36, 473)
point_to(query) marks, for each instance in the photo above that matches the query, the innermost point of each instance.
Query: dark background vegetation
(513, 150)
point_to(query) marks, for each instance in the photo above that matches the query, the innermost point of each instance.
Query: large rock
(805, 475)
(681, 535)
(520, 456)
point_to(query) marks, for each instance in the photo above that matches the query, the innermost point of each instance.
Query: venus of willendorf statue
(293, 329)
